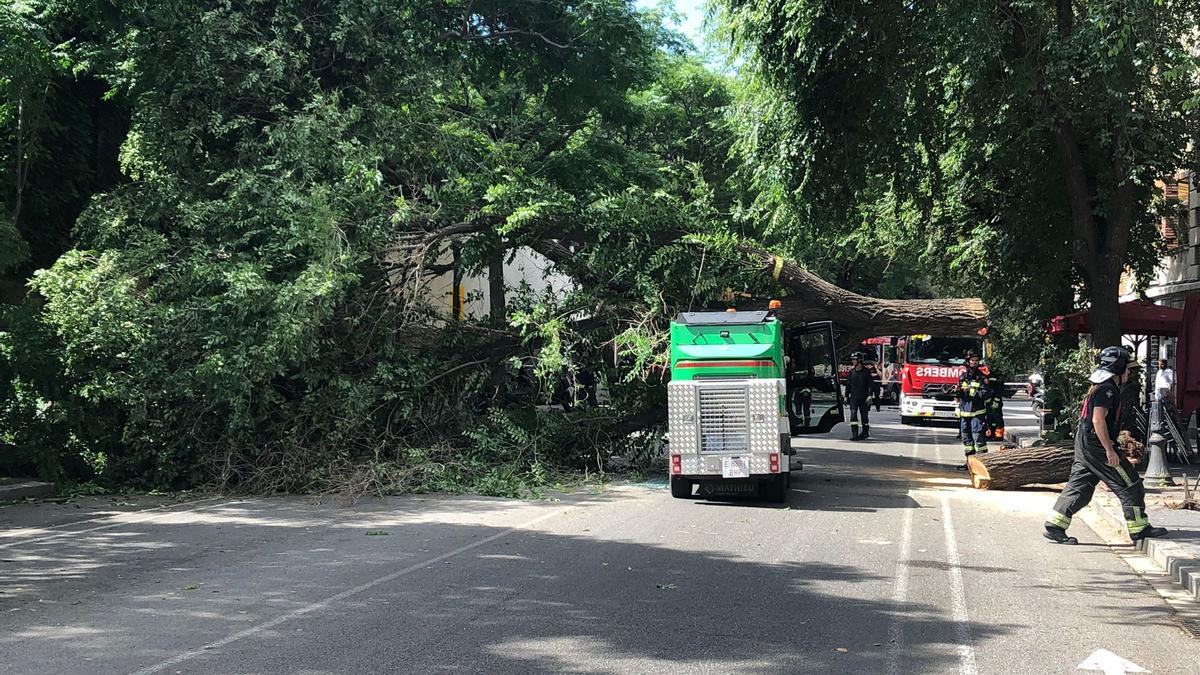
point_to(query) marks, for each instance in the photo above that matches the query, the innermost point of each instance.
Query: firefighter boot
(1149, 532)
(854, 435)
(866, 432)
(1058, 535)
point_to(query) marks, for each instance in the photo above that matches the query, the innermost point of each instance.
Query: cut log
(1011, 468)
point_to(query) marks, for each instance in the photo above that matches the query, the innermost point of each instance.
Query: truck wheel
(774, 489)
(681, 488)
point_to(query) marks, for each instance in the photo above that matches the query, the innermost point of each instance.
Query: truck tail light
(676, 464)
(774, 462)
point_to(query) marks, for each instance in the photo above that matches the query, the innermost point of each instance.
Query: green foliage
(953, 138)
(1065, 373)
(241, 309)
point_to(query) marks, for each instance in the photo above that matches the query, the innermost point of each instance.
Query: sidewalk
(1179, 552)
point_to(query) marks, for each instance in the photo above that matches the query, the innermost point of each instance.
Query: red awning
(1137, 318)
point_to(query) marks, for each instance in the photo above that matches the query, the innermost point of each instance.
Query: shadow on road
(525, 601)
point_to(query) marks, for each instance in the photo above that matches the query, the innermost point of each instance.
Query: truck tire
(775, 488)
(681, 488)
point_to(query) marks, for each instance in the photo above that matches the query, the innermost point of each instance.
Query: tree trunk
(497, 303)
(1014, 467)
(812, 298)
(1105, 313)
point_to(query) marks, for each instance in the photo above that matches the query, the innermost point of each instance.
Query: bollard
(1157, 474)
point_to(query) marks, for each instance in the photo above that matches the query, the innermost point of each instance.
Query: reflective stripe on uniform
(1139, 522)
(1124, 476)
(853, 423)
(969, 413)
(1058, 520)
(980, 447)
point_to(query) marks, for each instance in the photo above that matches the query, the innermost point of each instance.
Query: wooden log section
(1011, 468)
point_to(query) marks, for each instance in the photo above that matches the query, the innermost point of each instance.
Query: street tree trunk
(497, 303)
(1101, 242)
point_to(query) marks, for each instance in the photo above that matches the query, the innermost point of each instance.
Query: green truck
(742, 384)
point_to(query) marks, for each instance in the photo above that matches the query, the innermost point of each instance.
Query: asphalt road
(882, 561)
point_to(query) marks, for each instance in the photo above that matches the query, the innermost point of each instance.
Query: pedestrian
(972, 394)
(859, 387)
(1097, 459)
(1164, 381)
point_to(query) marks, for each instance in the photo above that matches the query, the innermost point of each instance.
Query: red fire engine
(929, 372)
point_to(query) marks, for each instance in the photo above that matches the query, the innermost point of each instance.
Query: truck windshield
(949, 351)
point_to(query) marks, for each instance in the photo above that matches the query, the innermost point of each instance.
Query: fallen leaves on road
(377, 533)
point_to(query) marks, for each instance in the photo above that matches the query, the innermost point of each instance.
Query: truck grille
(724, 425)
(939, 390)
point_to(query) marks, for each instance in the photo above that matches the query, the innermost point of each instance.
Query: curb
(1177, 561)
(26, 490)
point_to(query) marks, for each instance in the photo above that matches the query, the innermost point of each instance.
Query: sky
(692, 13)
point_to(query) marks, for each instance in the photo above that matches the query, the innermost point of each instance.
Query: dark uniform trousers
(970, 425)
(1089, 469)
(859, 410)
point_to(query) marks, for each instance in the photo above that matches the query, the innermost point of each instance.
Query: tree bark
(812, 298)
(1015, 467)
(497, 303)
(1105, 313)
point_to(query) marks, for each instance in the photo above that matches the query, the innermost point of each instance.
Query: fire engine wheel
(681, 488)
(775, 488)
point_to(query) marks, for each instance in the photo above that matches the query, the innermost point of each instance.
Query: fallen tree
(1011, 468)
(811, 298)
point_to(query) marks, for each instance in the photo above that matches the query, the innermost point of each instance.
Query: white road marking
(129, 521)
(321, 604)
(900, 589)
(1110, 663)
(958, 597)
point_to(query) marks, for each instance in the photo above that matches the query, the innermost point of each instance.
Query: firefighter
(1097, 459)
(859, 387)
(802, 401)
(994, 425)
(972, 394)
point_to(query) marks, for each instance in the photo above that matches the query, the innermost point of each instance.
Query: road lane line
(900, 589)
(133, 521)
(958, 597)
(321, 604)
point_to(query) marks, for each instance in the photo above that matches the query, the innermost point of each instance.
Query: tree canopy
(228, 216)
(1014, 145)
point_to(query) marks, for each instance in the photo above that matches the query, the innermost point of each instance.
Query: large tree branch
(814, 299)
(811, 298)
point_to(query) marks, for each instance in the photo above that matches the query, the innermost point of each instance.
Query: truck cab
(741, 386)
(931, 366)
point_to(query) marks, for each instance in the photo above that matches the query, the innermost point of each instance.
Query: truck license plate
(735, 467)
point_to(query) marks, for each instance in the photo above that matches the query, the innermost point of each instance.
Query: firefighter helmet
(856, 356)
(1113, 360)
(972, 354)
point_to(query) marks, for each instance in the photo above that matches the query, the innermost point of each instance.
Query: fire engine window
(941, 350)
